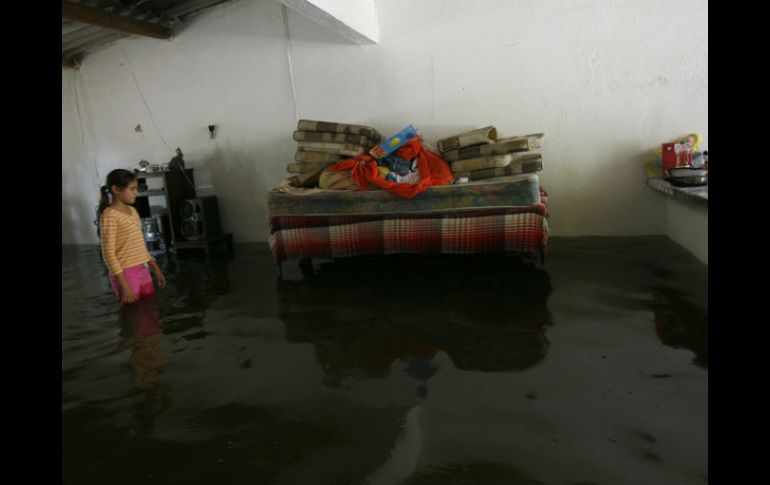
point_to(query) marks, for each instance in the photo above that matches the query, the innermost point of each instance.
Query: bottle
(697, 160)
(683, 154)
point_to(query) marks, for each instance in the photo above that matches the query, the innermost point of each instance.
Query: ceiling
(89, 25)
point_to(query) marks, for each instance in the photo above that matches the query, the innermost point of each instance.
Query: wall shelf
(177, 187)
(698, 195)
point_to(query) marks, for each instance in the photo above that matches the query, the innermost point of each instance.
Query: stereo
(157, 233)
(151, 229)
(200, 218)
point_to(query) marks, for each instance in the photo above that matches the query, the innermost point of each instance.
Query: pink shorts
(139, 279)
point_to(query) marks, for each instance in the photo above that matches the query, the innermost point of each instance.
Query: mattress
(502, 192)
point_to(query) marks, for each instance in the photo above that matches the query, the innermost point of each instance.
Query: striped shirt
(122, 240)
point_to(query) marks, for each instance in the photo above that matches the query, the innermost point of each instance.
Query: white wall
(606, 80)
(79, 168)
(688, 224)
(355, 19)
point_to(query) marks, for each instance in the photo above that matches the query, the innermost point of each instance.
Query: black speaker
(200, 218)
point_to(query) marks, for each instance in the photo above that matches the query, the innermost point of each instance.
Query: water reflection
(681, 324)
(141, 331)
(197, 281)
(362, 316)
(177, 313)
(478, 473)
(324, 380)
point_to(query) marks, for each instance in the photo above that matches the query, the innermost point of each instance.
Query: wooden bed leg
(280, 270)
(542, 257)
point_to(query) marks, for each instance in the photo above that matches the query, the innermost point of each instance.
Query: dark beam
(111, 20)
(108, 37)
(189, 7)
(68, 62)
(100, 33)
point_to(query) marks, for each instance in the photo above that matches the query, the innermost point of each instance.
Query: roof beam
(68, 62)
(67, 44)
(82, 45)
(112, 20)
(191, 6)
(83, 31)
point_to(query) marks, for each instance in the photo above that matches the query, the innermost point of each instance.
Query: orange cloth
(434, 170)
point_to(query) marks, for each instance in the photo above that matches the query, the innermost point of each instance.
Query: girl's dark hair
(118, 177)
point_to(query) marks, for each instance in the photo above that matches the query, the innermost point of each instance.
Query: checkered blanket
(517, 229)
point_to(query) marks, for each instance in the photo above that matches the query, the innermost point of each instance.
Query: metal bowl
(686, 172)
(689, 181)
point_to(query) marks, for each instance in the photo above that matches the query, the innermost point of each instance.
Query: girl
(123, 247)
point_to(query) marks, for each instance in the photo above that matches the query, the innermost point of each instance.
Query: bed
(505, 214)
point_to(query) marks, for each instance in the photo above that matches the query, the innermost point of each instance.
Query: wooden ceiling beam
(112, 20)
(68, 62)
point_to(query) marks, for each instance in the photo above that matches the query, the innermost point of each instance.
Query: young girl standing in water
(123, 247)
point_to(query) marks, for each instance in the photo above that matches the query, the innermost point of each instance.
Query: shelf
(698, 195)
(152, 193)
(175, 187)
(144, 175)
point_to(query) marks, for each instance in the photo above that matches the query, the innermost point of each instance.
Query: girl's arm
(158, 273)
(109, 233)
(126, 293)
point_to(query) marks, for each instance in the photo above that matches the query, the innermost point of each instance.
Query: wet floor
(395, 370)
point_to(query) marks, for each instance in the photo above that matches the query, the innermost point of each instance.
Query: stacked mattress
(323, 143)
(479, 154)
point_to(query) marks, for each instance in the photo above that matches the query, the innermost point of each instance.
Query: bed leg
(542, 256)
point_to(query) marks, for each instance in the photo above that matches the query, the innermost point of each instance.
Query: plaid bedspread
(516, 229)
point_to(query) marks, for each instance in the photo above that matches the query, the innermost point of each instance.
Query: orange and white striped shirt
(123, 243)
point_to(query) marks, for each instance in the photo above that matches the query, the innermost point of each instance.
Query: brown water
(396, 370)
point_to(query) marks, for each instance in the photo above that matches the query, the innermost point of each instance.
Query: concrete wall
(354, 19)
(80, 165)
(688, 225)
(606, 80)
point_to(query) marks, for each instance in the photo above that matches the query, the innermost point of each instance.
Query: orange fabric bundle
(433, 170)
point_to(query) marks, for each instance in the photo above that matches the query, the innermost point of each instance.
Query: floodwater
(592, 369)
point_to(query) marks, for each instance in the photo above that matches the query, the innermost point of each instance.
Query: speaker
(200, 218)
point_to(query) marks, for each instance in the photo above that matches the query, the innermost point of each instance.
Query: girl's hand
(127, 295)
(161, 279)
(158, 273)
